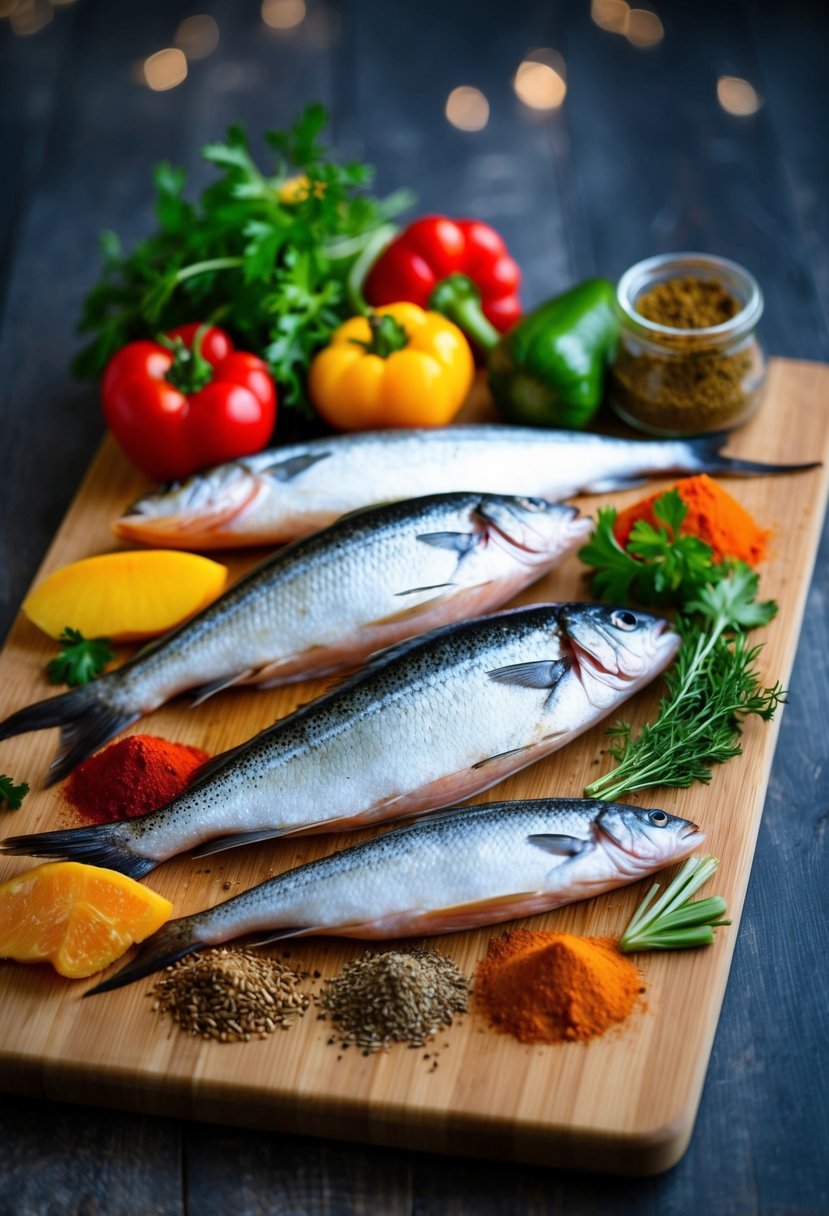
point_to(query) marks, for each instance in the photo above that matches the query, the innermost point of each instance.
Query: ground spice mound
(547, 987)
(132, 777)
(230, 995)
(688, 303)
(394, 997)
(713, 515)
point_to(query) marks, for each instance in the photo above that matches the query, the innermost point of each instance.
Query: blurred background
(591, 134)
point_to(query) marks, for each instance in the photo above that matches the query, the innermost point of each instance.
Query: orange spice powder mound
(547, 987)
(713, 515)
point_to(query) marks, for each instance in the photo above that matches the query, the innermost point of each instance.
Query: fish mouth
(691, 829)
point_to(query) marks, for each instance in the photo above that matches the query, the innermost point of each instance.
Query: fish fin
(168, 944)
(707, 453)
(101, 844)
(235, 841)
(417, 590)
(86, 723)
(458, 917)
(287, 470)
(205, 771)
(558, 845)
(213, 686)
(542, 673)
(457, 542)
(606, 485)
(514, 751)
(284, 934)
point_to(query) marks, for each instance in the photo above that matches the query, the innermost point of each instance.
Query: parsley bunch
(79, 660)
(714, 684)
(11, 795)
(276, 262)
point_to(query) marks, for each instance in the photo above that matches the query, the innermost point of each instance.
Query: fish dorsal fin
(214, 686)
(287, 470)
(455, 542)
(558, 845)
(541, 673)
(205, 771)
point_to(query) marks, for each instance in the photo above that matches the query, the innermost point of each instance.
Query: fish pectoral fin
(542, 673)
(287, 470)
(496, 759)
(213, 686)
(235, 841)
(456, 542)
(428, 587)
(558, 845)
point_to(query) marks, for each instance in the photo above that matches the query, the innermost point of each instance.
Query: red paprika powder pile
(132, 777)
(548, 987)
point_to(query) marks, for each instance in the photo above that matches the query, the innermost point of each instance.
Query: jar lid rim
(744, 320)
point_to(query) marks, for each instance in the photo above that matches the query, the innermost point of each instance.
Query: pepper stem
(189, 371)
(458, 298)
(387, 335)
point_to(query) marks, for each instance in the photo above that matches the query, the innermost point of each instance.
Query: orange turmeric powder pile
(547, 987)
(713, 515)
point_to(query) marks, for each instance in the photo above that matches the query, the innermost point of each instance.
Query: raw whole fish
(430, 722)
(452, 871)
(287, 492)
(325, 604)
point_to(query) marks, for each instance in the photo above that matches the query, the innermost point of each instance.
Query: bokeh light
(283, 14)
(197, 36)
(30, 16)
(165, 69)
(611, 15)
(737, 96)
(541, 80)
(644, 28)
(467, 108)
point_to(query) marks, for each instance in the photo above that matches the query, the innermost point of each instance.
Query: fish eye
(658, 818)
(624, 620)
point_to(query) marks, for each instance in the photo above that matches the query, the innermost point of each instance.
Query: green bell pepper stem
(458, 298)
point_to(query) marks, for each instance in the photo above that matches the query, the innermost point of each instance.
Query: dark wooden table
(640, 158)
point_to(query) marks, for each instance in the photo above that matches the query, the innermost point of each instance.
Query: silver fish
(287, 492)
(453, 871)
(432, 721)
(323, 604)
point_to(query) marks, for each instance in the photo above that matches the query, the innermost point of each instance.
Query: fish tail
(168, 944)
(108, 845)
(87, 721)
(708, 458)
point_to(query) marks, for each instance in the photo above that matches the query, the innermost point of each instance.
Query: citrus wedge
(125, 596)
(78, 918)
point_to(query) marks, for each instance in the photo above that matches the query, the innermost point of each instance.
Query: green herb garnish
(714, 684)
(676, 921)
(280, 272)
(11, 795)
(80, 659)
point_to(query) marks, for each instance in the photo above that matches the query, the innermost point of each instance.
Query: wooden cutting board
(623, 1103)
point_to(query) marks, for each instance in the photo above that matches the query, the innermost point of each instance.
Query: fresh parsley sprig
(275, 265)
(11, 795)
(79, 660)
(714, 684)
(675, 921)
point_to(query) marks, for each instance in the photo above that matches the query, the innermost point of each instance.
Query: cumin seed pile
(230, 995)
(394, 997)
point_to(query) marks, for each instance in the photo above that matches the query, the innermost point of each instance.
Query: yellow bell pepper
(401, 366)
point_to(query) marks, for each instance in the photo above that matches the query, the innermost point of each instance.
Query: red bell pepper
(187, 401)
(435, 249)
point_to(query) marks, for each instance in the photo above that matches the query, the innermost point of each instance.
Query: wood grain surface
(623, 1103)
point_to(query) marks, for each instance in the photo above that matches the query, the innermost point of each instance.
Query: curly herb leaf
(274, 270)
(714, 684)
(11, 795)
(80, 659)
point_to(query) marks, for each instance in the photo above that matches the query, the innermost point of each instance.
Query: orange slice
(79, 918)
(125, 596)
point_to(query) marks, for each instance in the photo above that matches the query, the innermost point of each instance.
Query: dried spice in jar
(688, 359)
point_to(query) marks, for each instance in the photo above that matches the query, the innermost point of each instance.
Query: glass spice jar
(673, 381)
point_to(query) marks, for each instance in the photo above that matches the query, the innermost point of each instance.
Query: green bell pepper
(549, 369)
